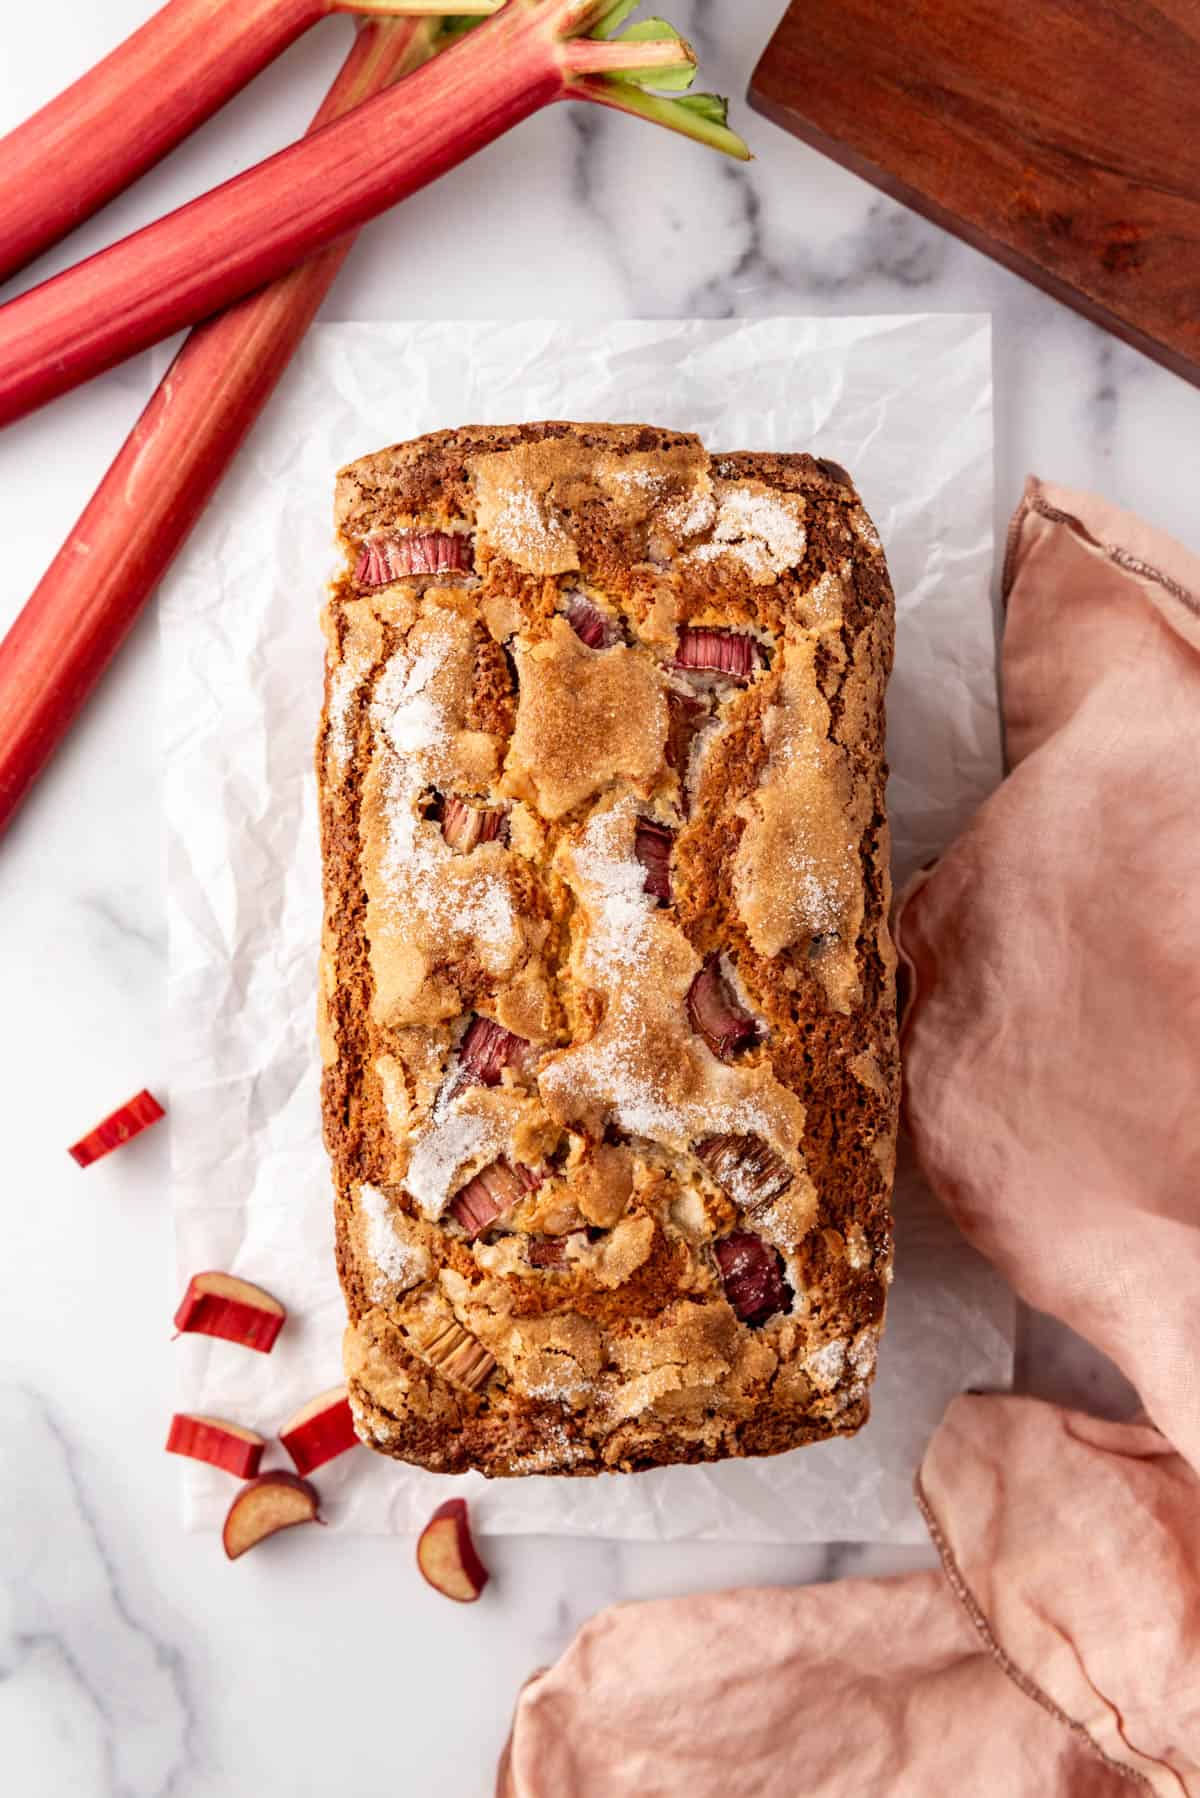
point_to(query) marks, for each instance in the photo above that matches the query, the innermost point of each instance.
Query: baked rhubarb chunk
(607, 996)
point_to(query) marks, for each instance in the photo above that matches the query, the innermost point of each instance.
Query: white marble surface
(133, 1662)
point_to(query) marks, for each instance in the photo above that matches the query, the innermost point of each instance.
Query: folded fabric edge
(1024, 1682)
(1035, 500)
(504, 1781)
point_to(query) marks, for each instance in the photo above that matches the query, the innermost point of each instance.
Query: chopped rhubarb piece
(493, 1191)
(394, 555)
(224, 1445)
(716, 1015)
(487, 1049)
(272, 1502)
(446, 1554)
(709, 651)
(222, 1305)
(465, 826)
(752, 1275)
(551, 1251)
(652, 845)
(748, 1170)
(683, 721)
(127, 1121)
(321, 1429)
(590, 624)
(457, 1355)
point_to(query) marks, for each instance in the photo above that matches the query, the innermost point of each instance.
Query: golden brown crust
(569, 1313)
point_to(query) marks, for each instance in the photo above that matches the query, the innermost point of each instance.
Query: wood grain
(1060, 136)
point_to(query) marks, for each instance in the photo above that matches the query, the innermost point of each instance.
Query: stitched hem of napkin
(1022, 1680)
(1033, 502)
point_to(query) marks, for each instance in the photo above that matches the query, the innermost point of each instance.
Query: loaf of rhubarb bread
(607, 994)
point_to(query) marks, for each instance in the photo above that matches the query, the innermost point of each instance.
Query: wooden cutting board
(1061, 136)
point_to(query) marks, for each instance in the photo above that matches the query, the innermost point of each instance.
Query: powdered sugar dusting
(691, 513)
(826, 1365)
(631, 482)
(817, 868)
(560, 1380)
(825, 597)
(412, 720)
(758, 530)
(618, 882)
(557, 1451)
(864, 529)
(417, 862)
(441, 1153)
(621, 1062)
(526, 532)
(864, 1354)
(399, 1264)
(343, 686)
(816, 898)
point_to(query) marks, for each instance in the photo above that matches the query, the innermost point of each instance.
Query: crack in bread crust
(588, 1326)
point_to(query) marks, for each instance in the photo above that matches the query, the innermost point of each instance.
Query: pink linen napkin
(1052, 1058)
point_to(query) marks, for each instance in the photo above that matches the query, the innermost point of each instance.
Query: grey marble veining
(134, 1663)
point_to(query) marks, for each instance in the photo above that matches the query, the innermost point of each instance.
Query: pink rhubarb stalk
(590, 624)
(125, 114)
(248, 232)
(487, 1049)
(465, 826)
(170, 465)
(394, 555)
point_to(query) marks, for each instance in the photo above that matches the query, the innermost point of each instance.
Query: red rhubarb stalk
(248, 232)
(171, 463)
(117, 1128)
(125, 114)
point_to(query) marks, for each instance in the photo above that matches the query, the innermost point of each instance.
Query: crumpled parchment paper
(905, 404)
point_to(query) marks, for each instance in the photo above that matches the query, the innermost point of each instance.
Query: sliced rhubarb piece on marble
(716, 1015)
(702, 650)
(118, 1128)
(447, 1556)
(652, 846)
(395, 555)
(224, 1445)
(752, 1275)
(750, 1172)
(272, 1502)
(492, 1192)
(320, 1430)
(222, 1305)
(465, 826)
(487, 1049)
(590, 624)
